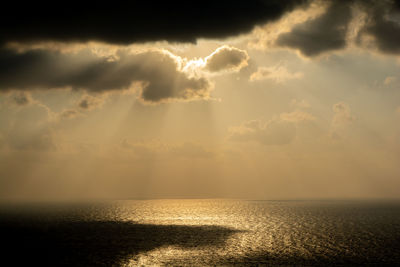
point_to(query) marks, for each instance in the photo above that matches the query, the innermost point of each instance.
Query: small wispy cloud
(278, 74)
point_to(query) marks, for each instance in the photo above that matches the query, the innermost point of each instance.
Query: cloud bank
(159, 74)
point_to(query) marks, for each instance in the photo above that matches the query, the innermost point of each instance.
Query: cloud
(142, 150)
(342, 114)
(384, 25)
(173, 21)
(89, 102)
(153, 149)
(158, 72)
(21, 98)
(274, 132)
(24, 99)
(300, 103)
(281, 130)
(41, 140)
(297, 116)
(191, 150)
(33, 128)
(69, 114)
(226, 58)
(279, 74)
(331, 25)
(324, 33)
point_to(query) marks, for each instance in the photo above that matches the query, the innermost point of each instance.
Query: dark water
(202, 232)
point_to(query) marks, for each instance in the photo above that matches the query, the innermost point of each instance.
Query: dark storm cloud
(157, 71)
(328, 32)
(384, 26)
(324, 33)
(136, 21)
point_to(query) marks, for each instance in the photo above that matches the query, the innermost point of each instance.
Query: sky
(256, 99)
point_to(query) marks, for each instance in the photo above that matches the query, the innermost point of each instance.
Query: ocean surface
(202, 233)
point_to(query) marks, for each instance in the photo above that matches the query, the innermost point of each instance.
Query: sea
(201, 232)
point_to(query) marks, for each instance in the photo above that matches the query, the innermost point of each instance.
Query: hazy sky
(261, 100)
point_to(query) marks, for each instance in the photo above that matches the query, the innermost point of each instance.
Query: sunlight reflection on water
(274, 232)
(215, 232)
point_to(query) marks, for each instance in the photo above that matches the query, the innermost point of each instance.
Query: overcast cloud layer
(137, 21)
(188, 22)
(160, 74)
